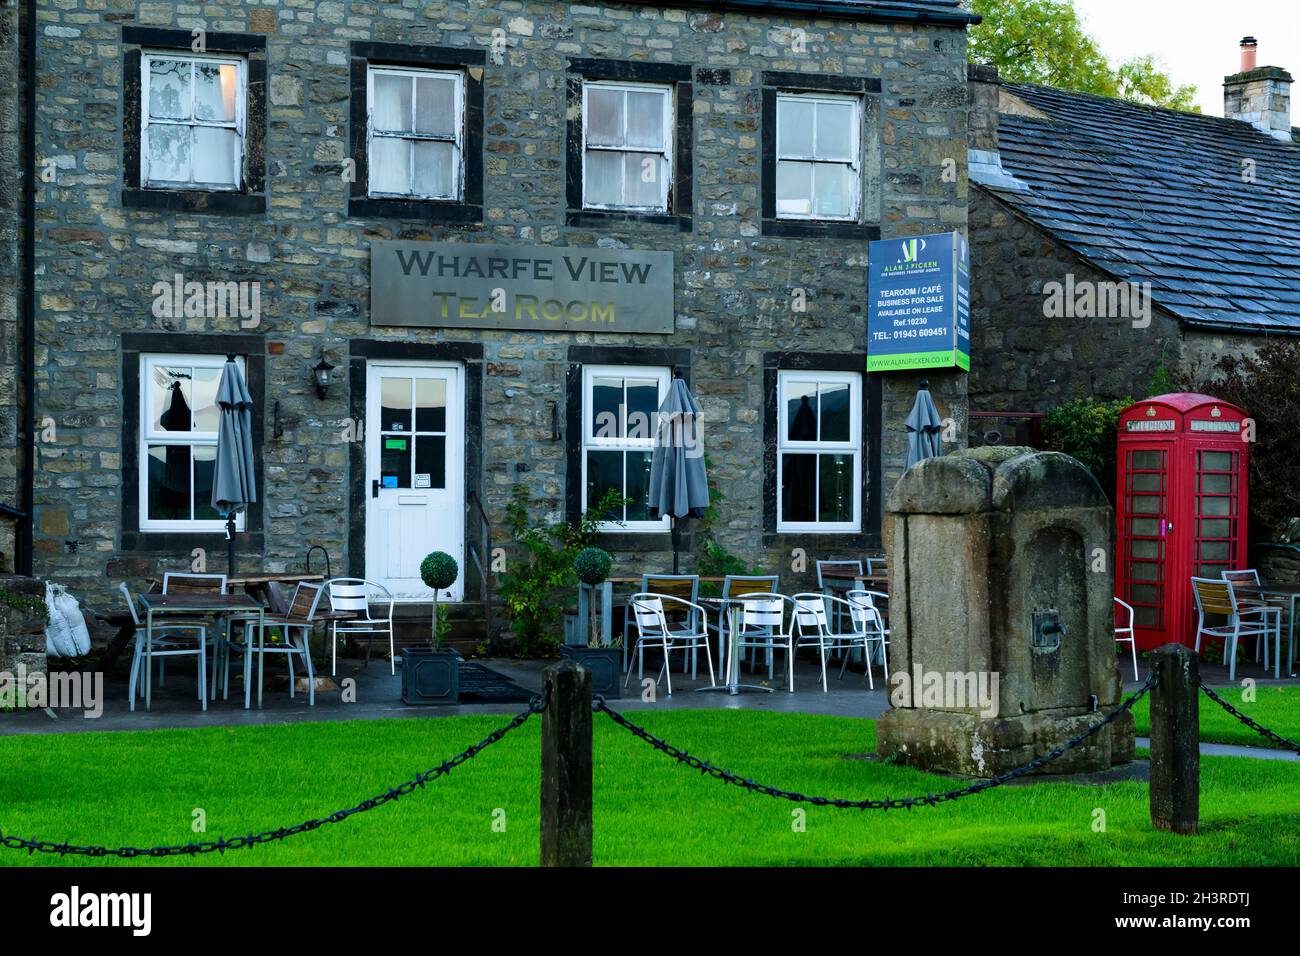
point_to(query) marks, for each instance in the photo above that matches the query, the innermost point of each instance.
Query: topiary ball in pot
(439, 570)
(592, 565)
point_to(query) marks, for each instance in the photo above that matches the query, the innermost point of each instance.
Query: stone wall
(22, 624)
(11, 192)
(97, 260)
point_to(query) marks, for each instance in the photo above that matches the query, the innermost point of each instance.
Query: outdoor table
(732, 608)
(258, 580)
(191, 604)
(1290, 593)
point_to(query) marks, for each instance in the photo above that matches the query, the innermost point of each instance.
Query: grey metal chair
(353, 596)
(734, 584)
(684, 587)
(172, 639)
(653, 628)
(299, 621)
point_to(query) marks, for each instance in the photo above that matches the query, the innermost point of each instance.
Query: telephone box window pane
(1146, 505)
(1146, 617)
(1215, 550)
(1211, 570)
(799, 488)
(1216, 528)
(1216, 484)
(1147, 460)
(1145, 482)
(1144, 571)
(1145, 549)
(1144, 594)
(1217, 461)
(1216, 506)
(1144, 526)
(395, 461)
(431, 460)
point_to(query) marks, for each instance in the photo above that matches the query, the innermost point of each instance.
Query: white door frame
(443, 508)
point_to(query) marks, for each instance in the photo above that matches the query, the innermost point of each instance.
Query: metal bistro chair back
(734, 584)
(839, 571)
(877, 564)
(651, 618)
(1247, 581)
(685, 587)
(1216, 596)
(189, 583)
(299, 621)
(1124, 630)
(869, 622)
(353, 596)
(763, 627)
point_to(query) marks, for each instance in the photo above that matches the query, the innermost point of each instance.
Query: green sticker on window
(396, 444)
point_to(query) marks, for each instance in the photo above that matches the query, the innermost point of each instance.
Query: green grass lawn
(142, 788)
(1277, 708)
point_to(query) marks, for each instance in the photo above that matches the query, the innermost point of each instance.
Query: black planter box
(604, 664)
(429, 676)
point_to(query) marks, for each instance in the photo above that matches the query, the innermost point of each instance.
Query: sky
(1199, 40)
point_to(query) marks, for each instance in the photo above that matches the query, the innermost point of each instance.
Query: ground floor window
(178, 442)
(619, 418)
(819, 451)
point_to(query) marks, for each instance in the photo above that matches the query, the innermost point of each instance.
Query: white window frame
(457, 137)
(853, 446)
(666, 152)
(592, 443)
(149, 436)
(239, 124)
(854, 163)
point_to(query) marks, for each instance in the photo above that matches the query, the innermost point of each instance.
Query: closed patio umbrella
(233, 481)
(924, 427)
(679, 487)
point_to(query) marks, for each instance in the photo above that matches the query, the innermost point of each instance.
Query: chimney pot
(1249, 54)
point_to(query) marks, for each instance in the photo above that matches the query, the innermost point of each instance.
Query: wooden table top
(199, 602)
(244, 580)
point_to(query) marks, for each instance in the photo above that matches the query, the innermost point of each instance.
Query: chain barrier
(896, 803)
(1263, 731)
(221, 845)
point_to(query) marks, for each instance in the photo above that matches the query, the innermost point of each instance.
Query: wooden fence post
(566, 766)
(1176, 741)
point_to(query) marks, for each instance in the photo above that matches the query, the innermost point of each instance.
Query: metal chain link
(1264, 731)
(221, 845)
(896, 803)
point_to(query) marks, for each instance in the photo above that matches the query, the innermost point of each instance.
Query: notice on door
(542, 288)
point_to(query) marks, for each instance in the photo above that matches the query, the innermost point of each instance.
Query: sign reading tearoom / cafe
(540, 288)
(919, 303)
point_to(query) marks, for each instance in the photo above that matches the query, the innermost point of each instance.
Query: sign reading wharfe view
(543, 288)
(919, 291)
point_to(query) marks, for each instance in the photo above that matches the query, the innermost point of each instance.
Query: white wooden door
(414, 474)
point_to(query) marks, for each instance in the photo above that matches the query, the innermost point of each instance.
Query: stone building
(397, 189)
(1110, 240)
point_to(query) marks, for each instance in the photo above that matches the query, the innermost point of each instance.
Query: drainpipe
(27, 355)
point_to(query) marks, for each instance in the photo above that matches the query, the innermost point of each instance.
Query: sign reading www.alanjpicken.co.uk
(544, 288)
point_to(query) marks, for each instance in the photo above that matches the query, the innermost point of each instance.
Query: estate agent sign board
(919, 299)
(542, 288)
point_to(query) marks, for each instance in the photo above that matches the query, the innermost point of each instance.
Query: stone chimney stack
(984, 161)
(1259, 95)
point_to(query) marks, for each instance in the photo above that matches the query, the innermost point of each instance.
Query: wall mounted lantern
(321, 374)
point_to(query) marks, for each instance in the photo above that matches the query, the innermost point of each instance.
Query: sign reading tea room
(919, 303)
(541, 288)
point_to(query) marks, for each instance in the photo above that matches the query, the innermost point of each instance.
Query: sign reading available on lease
(919, 312)
(543, 288)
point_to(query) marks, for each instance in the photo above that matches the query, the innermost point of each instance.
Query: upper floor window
(818, 152)
(416, 132)
(819, 451)
(620, 416)
(192, 121)
(178, 442)
(627, 146)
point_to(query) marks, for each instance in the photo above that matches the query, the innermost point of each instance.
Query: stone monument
(1001, 588)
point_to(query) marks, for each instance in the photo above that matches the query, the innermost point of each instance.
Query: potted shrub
(431, 675)
(592, 567)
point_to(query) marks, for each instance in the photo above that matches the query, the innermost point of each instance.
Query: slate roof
(946, 12)
(1159, 196)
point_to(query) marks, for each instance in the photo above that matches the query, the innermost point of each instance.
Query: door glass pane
(215, 152)
(1146, 460)
(395, 404)
(169, 89)
(389, 165)
(645, 119)
(169, 153)
(169, 493)
(604, 116)
(171, 398)
(637, 485)
(430, 405)
(395, 461)
(604, 471)
(431, 461)
(435, 169)
(794, 127)
(205, 465)
(604, 182)
(801, 411)
(799, 488)
(435, 110)
(835, 412)
(835, 481)
(642, 407)
(215, 85)
(392, 103)
(606, 415)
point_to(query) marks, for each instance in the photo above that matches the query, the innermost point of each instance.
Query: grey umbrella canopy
(233, 481)
(923, 428)
(679, 486)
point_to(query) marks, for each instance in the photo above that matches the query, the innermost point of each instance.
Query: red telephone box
(1182, 476)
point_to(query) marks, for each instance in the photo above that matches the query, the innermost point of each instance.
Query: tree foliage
(1044, 41)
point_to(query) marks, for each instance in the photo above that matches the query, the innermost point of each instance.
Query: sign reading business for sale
(543, 288)
(919, 294)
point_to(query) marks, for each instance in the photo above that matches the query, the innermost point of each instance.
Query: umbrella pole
(230, 543)
(677, 541)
